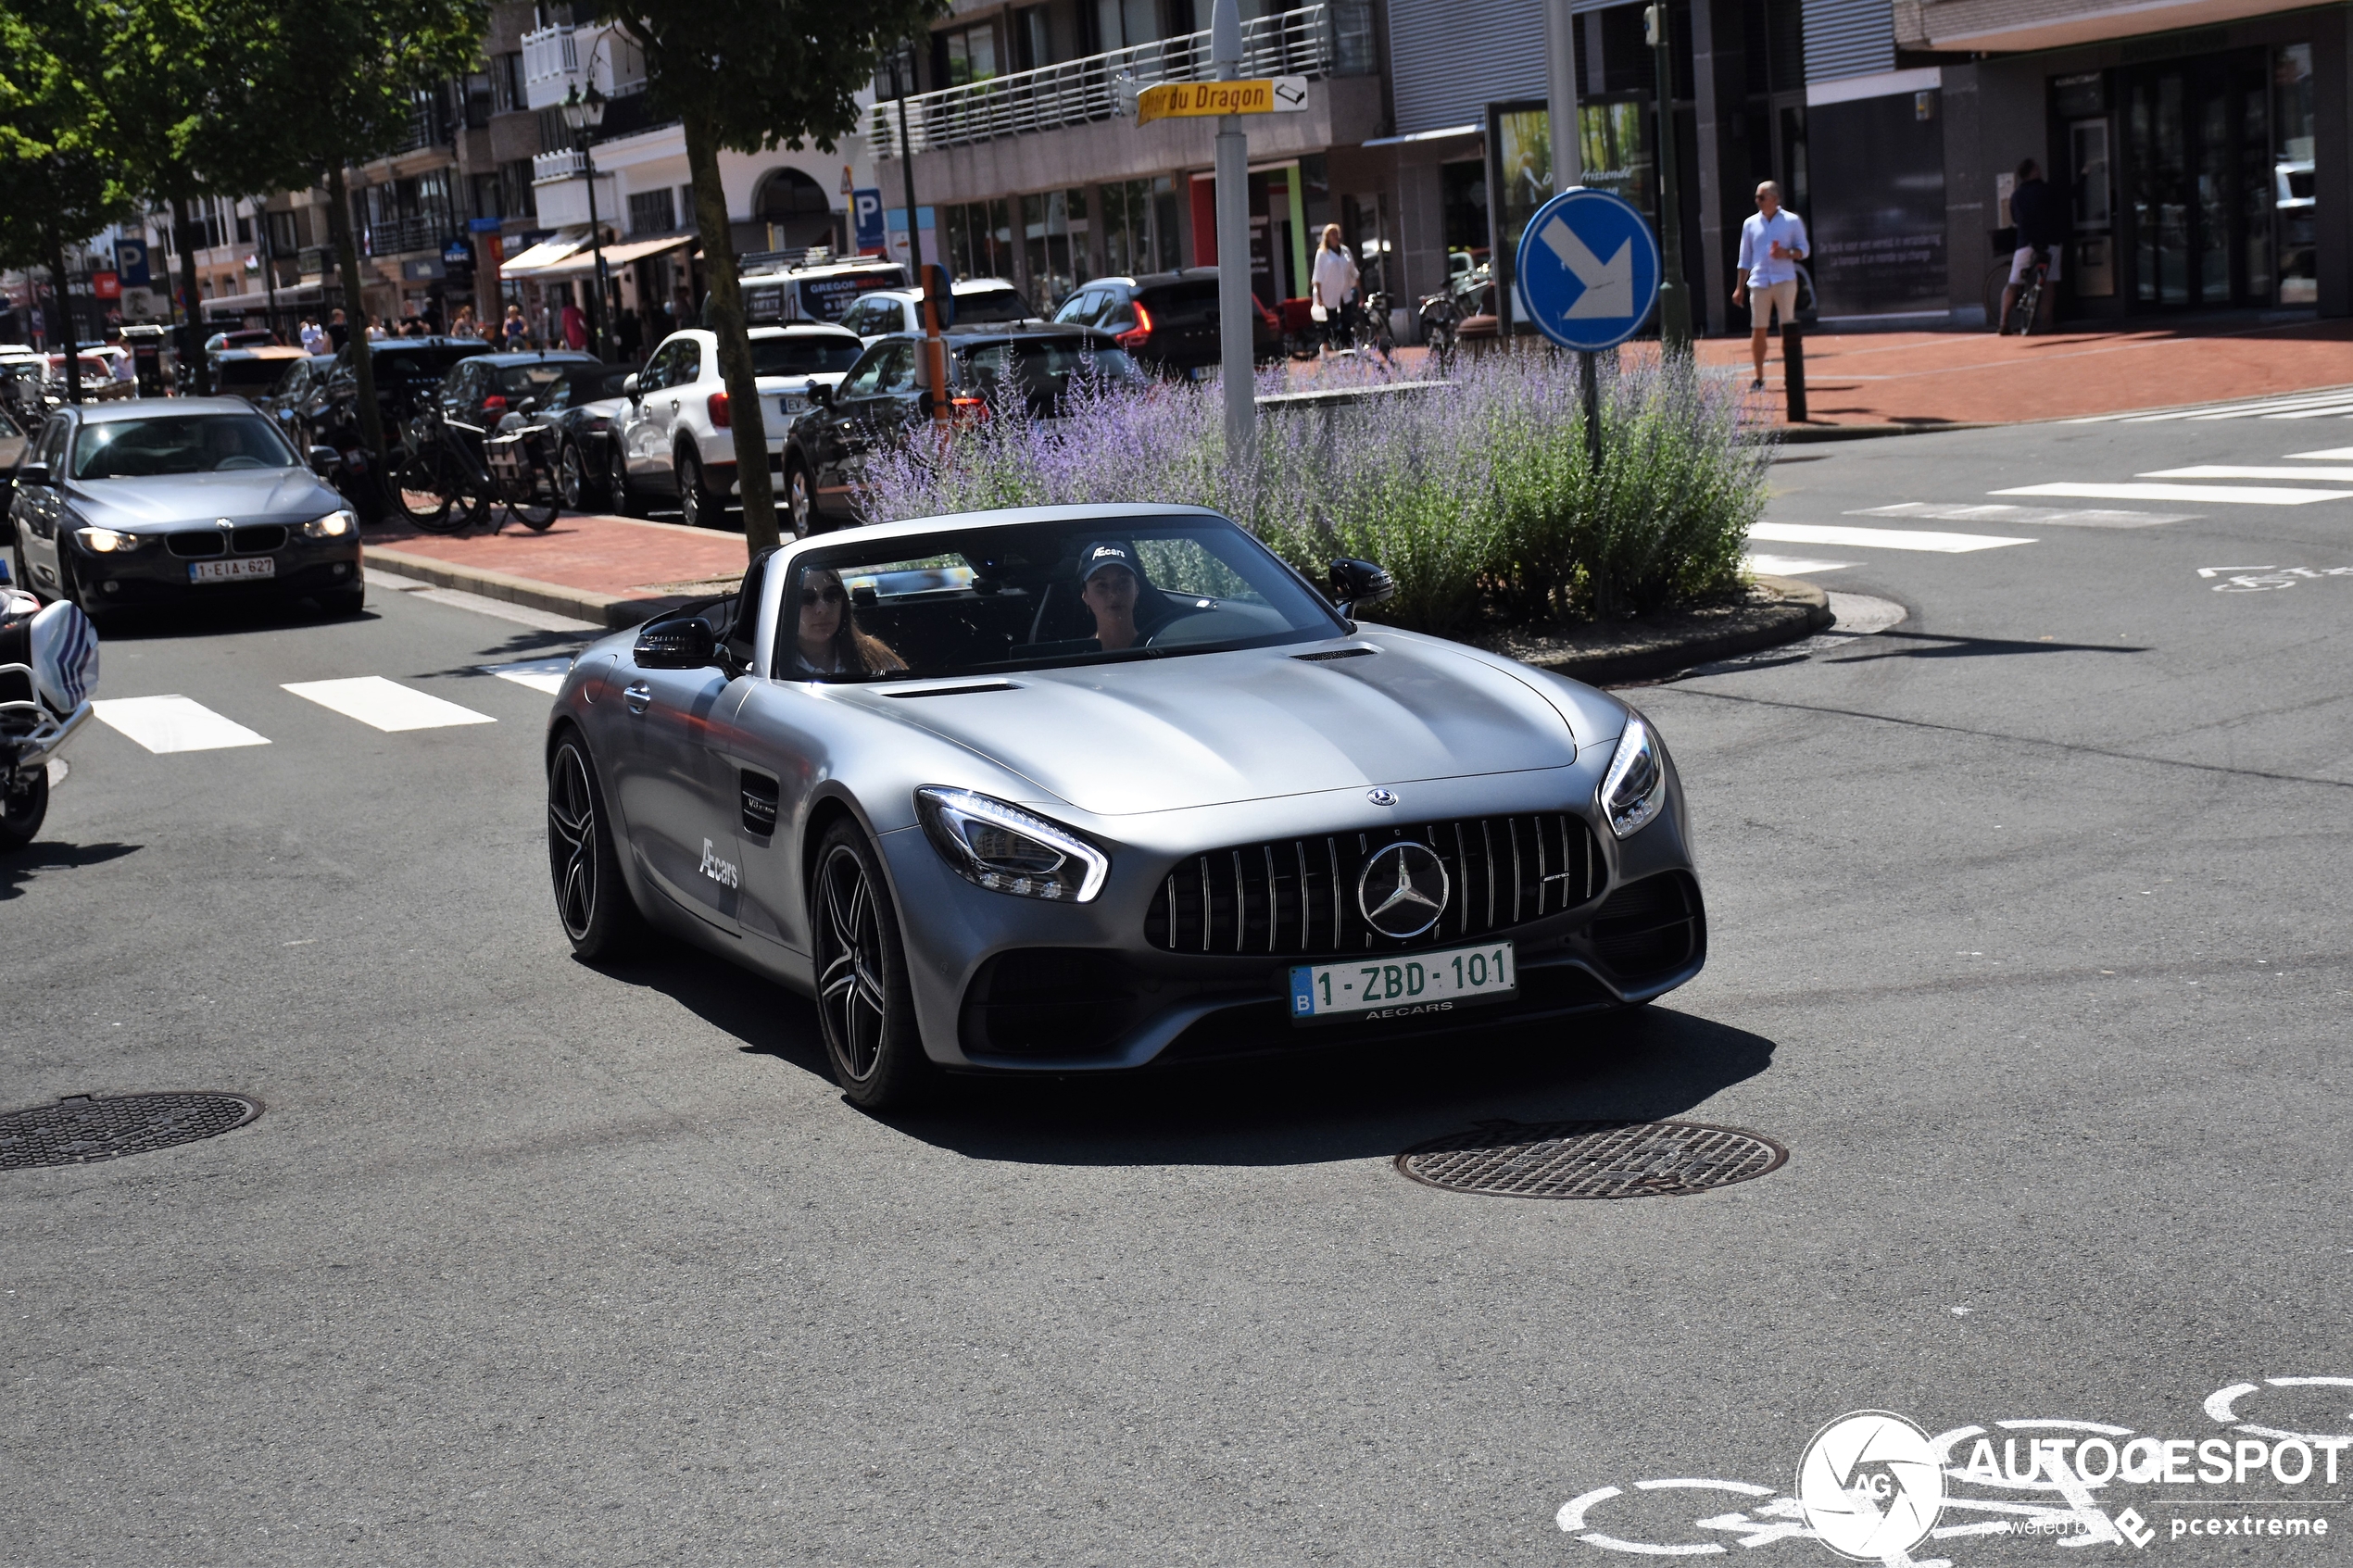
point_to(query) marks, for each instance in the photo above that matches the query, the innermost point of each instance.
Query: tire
(426, 494)
(698, 508)
(573, 481)
(864, 1003)
(801, 500)
(20, 571)
(592, 901)
(617, 482)
(539, 507)
(22, 811)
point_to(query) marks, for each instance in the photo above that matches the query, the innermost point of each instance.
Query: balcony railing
(1329, 39)
(547, 169)
(392, 235)
(552, 64)
(549, 57)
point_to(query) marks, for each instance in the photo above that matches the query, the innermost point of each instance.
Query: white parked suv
(674, 434)
(980, 302)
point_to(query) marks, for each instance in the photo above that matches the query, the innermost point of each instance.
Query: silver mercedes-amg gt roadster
(1079, 788)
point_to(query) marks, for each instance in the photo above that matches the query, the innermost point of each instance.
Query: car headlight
(339, 524)
(1635, 785)
(1006, 849)
(106, 541)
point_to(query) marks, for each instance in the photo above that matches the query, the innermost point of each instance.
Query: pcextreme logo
(1873, 1486)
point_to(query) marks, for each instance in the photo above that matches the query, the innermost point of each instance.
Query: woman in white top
(1333, 290)
(826, 641)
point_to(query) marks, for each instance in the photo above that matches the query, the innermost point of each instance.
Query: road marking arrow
(1609, 286)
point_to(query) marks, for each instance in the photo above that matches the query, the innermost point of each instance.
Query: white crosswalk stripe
(173, 723)
(2242, 470)
(1879, 538)
(2322, 403)
(2240, 494)
(1791, 566)
(386, 705)
(539, 674)
(2334, 455)
(2024, 517)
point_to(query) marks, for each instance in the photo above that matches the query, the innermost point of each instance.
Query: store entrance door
(2198, 182)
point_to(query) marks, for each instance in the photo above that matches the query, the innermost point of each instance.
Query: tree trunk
(57, 292)
(192, 352)
(747, 418)
(363, 370)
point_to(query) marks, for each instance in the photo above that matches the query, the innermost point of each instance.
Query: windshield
(809, 354)
(1041, 368)
(990, 305)
(188, 444)
(1040, 596)
(531, 381)
(591, 385)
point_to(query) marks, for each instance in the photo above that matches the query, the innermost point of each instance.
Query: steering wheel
(236, 460)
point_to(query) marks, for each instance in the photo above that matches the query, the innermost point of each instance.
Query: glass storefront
(1055, 240)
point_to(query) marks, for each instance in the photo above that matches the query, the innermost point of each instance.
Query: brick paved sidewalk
(617, 571)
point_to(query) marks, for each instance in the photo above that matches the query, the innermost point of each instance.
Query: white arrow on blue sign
(1589, 268)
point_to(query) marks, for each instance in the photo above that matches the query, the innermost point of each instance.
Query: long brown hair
(854, 650)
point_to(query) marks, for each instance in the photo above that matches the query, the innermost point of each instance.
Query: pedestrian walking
(314, 337)
(515, 328)
(462, 324)
(338, 330)
(576, 327)
(1332, 294)
(1772, 243)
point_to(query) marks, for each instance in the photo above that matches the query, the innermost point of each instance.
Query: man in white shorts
(1772, 243)
(2042, 218)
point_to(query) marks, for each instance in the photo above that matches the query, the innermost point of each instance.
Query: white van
(815, 291)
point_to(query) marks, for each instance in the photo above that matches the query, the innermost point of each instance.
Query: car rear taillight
(1139, 334)
(968, 407)
(720, 418)
(494, 404)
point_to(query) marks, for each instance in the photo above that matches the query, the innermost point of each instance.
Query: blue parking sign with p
(130, 263)
(1589, 268)
(866, 208)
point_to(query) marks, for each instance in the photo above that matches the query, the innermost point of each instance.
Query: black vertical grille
(1294, 897)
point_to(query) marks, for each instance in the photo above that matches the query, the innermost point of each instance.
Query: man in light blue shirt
(1772, 243)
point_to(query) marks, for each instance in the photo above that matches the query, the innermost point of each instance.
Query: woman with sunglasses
(828, 642)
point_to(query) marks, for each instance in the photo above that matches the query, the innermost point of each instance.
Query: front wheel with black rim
(865, 1002)
(620, 497)
(572, 479)
(24, 805)
(592, 900)
(698, 508)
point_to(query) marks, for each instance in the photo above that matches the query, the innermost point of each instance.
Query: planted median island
(1477, 494)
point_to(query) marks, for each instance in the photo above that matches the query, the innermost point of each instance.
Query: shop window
(1140, 225)
(978, 239)
(2292, 175)
(1055, 236)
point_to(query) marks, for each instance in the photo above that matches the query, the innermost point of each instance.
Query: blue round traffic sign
(1589, 268)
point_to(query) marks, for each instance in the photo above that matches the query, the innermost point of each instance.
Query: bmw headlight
(1635, 785)
(341, 524)
(106, 541)
(1006, 849)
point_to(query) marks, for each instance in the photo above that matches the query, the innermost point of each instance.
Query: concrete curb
(1633, 652)
(1805, 435)
(604, 610)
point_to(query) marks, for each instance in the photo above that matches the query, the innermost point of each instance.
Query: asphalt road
(2028, 941)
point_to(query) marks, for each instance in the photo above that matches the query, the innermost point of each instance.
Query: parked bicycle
(450, 474)
(2026, 311)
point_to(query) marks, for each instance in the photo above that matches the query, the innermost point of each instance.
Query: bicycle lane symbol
(2266, 579)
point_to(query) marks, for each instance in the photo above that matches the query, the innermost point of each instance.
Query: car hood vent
(1329, 654)
(958, 691)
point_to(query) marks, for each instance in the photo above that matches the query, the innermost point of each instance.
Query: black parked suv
(827, 447)
(409, 373)
(1168, 321)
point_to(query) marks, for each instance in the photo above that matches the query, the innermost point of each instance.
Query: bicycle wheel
(536, 507)
(2029, 306)
(427, 493)
(1998, 278)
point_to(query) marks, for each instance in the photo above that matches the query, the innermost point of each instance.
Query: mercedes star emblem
(1381, 796)
(1404, 889)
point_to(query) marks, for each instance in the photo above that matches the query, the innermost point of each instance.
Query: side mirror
(677, 645)
(820, 395)
(325, 460)
(36, 474)
(629, 386)
(1356, 583)
(528, 405)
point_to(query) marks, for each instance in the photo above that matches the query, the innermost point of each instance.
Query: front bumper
(1010, 984)
(153, 575)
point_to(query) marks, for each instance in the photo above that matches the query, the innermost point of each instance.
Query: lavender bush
(1477, 496)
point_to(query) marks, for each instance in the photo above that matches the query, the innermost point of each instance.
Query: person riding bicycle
(2039, 214)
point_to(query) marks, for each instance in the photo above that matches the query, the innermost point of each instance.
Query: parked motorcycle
(48, 672)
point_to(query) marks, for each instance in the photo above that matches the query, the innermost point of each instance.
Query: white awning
(546, 254)
(583, 260)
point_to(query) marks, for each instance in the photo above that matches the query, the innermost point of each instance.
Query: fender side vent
(760, 798)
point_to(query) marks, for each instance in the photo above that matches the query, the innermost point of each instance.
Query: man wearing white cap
(1110, 578)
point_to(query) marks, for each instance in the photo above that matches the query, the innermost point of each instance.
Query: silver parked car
(1082, 788)
(199, 498)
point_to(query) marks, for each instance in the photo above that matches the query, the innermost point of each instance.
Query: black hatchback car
(1168, 321)
(482, 390)
(827, 447)
(408, 372)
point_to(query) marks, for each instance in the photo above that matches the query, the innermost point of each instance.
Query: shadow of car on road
(22, 866)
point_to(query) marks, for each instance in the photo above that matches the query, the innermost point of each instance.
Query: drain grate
(79, 1130)
(1591, 1159)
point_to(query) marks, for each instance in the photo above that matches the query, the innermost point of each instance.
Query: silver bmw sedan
(1085, 788)
(152, 502)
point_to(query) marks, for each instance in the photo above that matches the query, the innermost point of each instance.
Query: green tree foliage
(57, 184)
(748, 75)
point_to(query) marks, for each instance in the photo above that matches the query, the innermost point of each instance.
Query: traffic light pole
(1237, 314)
(1674, 295)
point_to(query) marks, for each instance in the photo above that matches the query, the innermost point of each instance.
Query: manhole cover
(78, 1129)
(1591, 1159)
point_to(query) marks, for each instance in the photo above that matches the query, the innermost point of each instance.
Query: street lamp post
(584, 115)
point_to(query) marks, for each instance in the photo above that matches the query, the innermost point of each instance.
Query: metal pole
(1793, 369)
(907, 170)
(1237, 315)
(1673, 297)
(596, 255)
(1560, 69)
(1588, 383)
(268, 261)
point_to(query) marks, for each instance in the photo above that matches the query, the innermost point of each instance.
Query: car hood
(1218, 728)
(241, 495)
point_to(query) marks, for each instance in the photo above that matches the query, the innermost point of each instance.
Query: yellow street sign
(1175, 100)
